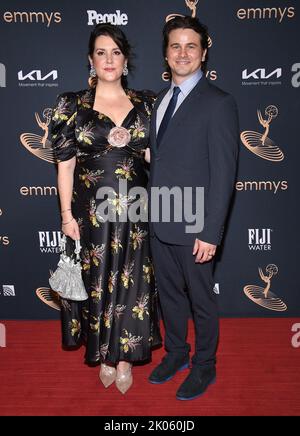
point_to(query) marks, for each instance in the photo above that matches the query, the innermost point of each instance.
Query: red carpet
(258, 374)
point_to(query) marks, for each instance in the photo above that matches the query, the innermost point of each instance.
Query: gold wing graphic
(256, 294)
(48, 297)
(34, 145)
(268, 151)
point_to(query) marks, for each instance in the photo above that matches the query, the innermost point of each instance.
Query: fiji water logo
(50, 241)
(259, 239)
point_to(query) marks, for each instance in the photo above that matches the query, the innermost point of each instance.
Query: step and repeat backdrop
(254, 55)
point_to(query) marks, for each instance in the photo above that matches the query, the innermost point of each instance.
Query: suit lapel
(185, 108)
(154, 117)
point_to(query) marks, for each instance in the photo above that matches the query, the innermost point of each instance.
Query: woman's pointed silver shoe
(107, 374)
(124, 379)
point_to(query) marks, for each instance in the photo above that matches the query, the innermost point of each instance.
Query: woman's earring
(93, 77)
(125, 70)
(92, 71)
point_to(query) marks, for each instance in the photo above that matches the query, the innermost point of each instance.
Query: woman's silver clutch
(67, 278)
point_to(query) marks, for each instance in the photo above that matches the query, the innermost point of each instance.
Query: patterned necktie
(168, 114)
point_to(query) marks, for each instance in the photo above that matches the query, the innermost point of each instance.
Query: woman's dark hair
(118, 36)
(186, 22)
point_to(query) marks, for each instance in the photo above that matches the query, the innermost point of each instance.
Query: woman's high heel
(124, 379)
(107, 374)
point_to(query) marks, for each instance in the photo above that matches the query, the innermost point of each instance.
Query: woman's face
(107, 59)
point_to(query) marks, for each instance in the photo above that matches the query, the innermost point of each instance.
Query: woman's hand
(70, 226)
(147, 155)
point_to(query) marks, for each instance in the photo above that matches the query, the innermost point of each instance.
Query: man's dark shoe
(168, 367)
(196, 383)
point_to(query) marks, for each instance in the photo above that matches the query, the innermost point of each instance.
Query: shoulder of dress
(77, 100)
(75, 94)
(143, 99)
(148, 94)
(144, 95)
(67, 95)
(84, 92)
(67, 100)
(85, 98)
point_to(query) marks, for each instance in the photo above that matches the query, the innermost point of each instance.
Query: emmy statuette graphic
(263, 296)
(38, 145)
(261, 144)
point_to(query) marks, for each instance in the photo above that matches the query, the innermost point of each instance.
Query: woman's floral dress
(119, 321)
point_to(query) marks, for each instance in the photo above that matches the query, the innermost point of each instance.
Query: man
(194, 143)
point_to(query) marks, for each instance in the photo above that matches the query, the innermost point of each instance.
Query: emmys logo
(296, 76)
(116, 19)
(296, 337)
(8, 291)
(38, 79)
(263, 296)
(260, 144)
(49, 297)
(2, 336)
(50, 242)
(262, 185)
(40, 146)
(276, 13)
(32, 17)
(192, 5)
(210, 74)
(2, 76)
(259, 239)
(4, 240)
(38, 191)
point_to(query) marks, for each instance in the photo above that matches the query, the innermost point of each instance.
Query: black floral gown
(119, 321)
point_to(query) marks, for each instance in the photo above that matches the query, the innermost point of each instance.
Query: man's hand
(203, 251)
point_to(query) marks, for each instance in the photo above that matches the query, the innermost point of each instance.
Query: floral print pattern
(137, 237)
(90, 177)
(141, 307)
(119, 321)
(125, 169)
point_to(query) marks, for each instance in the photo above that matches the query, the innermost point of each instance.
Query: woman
(99, 138)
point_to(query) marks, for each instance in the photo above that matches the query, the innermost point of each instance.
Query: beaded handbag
(67, 279)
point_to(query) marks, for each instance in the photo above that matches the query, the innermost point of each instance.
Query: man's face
(184, 53)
